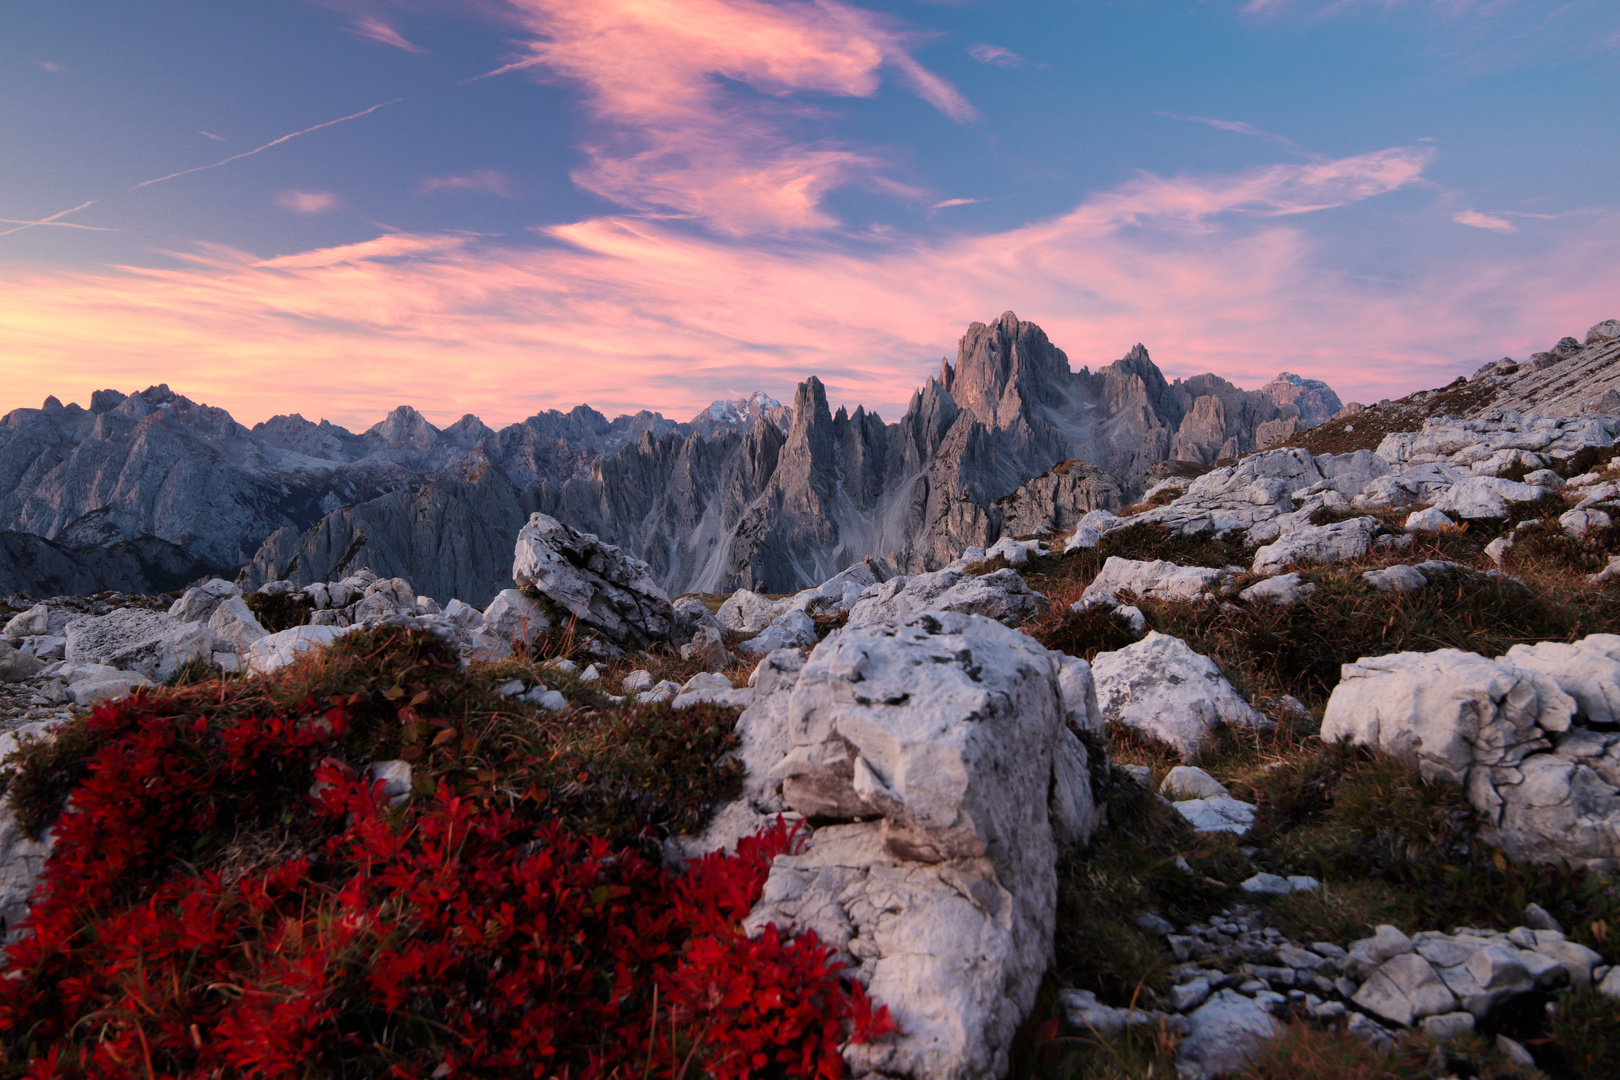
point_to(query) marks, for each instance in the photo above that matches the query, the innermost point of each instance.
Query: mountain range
(747, 493)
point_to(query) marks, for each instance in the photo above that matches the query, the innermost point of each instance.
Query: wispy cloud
(54, 219)
(307, 202)
(996, 55)
(700, 105)
(1484, 221)
(954, 202)
(49, 65)
(267, 146)
(1236, 126)
(211, 135)
(371, 28)
(55, 225)
(1214, 272)
(489, 181)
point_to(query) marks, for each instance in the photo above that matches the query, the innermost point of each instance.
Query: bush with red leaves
(439, 940)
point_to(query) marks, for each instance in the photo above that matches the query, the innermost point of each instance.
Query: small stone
(636, 682)
(1181, 946)
(1329, 1010)
(1189, 996)
(1303, 883)
(1191, 782)
(1539, 918)
(1447, 1026)
(1329, 950)
(1396, 579)
(1267, 885)
(1270, 1000)
(1154, 923)
(1515, 1052)
(550, 700)
(1388, 941)
(1140, 773)
(590, 674)
(510, 688)
(1296, 957)
(1610, 983)
(1367, 1029)
(1429, 520)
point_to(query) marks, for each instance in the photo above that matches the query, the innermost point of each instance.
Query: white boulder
(1429, 520)
(747, 612)
(1163, 689)
(133, 639)
(1155, 579)
(1337, 542)
(1549, 790)
(1280, 589)
(1001, 595)
(34, 622)
(605, 589)
(943, 731)
(1227, 1033)
(1191, 782)
(199, 601)
(275, 651)
(234, 626)
(794, 630)
(1486, 497)
(512, 618)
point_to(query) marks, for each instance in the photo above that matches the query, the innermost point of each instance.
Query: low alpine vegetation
(233, 893)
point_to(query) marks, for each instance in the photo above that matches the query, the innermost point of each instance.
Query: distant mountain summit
(749, 492)
(741, 415)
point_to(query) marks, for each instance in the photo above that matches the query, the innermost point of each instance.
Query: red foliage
(441, 941)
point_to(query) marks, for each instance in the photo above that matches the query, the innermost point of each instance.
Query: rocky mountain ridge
(749, 492)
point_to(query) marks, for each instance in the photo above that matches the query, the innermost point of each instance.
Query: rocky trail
(1305, 764)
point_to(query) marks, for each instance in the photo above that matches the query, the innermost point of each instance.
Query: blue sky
(667, 201)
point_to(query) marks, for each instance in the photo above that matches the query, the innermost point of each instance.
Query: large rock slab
(1227, 1032)
(1337, 542)
(1151, 579)
(597, 583)
(198, 602)
(277, 650)
(946, 735)
(133, 639)
(1509, 735)
(1486, 497)
(747, 612)
(1163, 689)
(1001, 595)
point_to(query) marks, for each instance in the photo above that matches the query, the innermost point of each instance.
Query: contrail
(52, 220)
(57, 224)
(266, 146)
(518, 65)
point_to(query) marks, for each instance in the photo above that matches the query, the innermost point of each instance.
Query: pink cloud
(1484, 221)
(489, 181)
(370, 28)
(664, 80)
(1213, 273)
(49, 65)
(995, 55)
(307, 202)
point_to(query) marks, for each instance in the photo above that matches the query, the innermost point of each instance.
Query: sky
(334, 207)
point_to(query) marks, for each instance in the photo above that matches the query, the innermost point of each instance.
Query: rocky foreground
(1310, 754)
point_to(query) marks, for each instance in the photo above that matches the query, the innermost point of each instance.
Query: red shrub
(440, 941)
